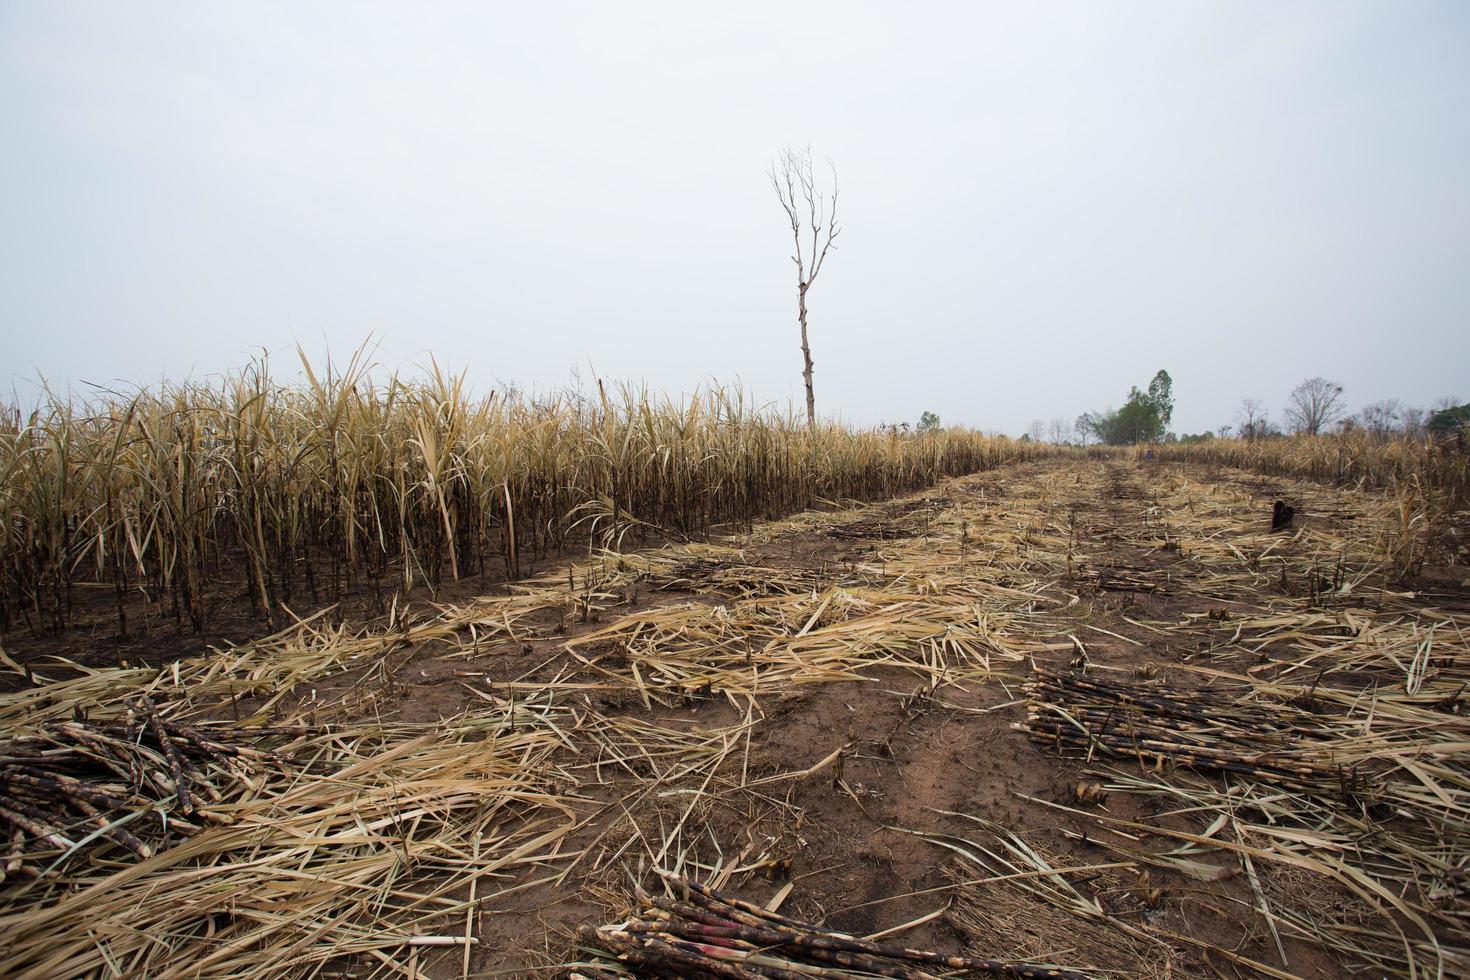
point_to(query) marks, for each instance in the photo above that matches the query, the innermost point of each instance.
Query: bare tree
(1411, 420)
(1036, 431)
(1314, 404)
(1252, 422)
(1085, 427)
(1443, 403)
(812, 213)
(1058, 429)
(1381, 419)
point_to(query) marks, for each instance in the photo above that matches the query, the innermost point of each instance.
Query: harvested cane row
(140, 782)
(703, 933)
(1089, 715)
(379, 849)
(1320, 657)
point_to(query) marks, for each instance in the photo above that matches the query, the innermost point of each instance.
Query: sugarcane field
(1080, 712)
(762, 491)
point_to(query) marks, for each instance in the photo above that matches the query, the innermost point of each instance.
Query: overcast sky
(1042, 203)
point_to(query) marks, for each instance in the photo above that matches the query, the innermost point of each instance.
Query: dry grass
(1428, 481)
(294, 491)
(1354, 459)
(364, 848)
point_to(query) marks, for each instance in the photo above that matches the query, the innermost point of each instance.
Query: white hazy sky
(1043, 203)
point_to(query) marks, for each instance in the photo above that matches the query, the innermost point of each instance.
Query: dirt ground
(850, 777)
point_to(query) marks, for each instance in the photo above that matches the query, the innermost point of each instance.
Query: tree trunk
(806, 355)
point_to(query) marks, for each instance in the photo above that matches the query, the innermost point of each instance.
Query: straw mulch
(1314, 740)
(362, 840)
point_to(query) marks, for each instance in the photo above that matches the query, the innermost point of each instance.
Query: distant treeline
(1314, 407)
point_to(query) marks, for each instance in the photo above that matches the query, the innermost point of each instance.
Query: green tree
(1161, 397)
(1143, 418)
(928, 422)
(1139, 421)
(1448, 420)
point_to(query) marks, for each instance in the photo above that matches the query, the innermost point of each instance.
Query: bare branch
(820, 216)
(1314, 404)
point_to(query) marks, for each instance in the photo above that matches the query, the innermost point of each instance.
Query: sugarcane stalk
(655, 954)
(735, 904)
(742, 913)
(40, 830)
(221, 754)
(770, 938)
(176, 762)
(13, 858)
(749, 963)
(116, 834)
(62, 784)
(1303, 775)
(671, 907)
